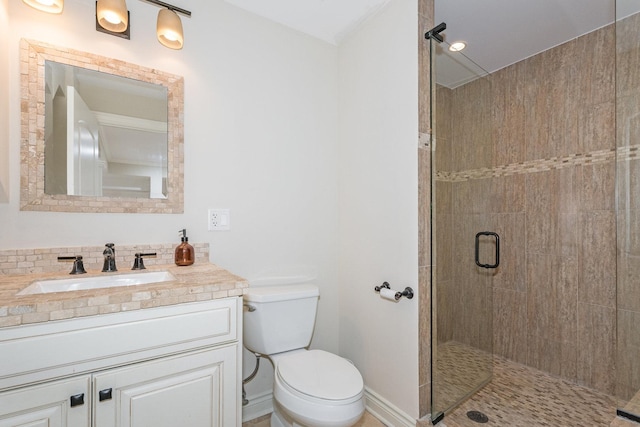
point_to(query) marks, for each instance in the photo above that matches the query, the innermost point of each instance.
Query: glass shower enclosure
(465, 247)
(628, 208)
(466, 209)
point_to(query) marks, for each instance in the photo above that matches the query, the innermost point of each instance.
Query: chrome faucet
(109, 254)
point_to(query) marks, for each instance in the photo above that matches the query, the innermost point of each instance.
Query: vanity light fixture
(49, 6)
(169, 29)
(112, 17)
(457, 46)
(169, 26)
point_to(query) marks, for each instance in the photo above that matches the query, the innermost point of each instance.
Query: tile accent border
(541, 165)
(32, 105)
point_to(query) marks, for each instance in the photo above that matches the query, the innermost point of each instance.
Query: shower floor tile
(519, 396)
(460, 371)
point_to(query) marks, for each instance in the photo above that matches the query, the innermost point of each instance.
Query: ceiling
(497, 32)
(328, 20)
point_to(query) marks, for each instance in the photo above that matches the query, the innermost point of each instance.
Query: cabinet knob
(77, 400)
(104, 394)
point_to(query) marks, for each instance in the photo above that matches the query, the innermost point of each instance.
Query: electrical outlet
(219, 219)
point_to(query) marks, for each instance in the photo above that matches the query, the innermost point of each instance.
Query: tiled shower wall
(534, 150)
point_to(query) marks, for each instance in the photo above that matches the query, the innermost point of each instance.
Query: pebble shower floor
(519, 396)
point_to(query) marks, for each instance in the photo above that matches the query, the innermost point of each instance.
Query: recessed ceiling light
(457, 46)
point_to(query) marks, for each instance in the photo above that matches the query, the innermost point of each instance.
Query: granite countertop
(198, 282)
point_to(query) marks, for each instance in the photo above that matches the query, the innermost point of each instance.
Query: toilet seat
(321, 377)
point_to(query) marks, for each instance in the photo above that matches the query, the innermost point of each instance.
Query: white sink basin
(96, 282)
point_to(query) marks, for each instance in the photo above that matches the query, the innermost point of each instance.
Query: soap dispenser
(185, 255)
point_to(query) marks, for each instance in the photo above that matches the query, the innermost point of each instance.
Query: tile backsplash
(45, 260)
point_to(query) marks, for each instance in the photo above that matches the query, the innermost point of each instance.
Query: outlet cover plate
(219, 220)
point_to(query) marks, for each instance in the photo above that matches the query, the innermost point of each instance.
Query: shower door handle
(497, 261)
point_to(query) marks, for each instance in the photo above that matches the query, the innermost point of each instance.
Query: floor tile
(367, 420)
(519, 396)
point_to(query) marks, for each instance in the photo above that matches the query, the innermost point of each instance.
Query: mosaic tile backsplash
(45, 260)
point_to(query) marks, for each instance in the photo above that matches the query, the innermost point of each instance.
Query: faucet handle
(108, 250)
(138, 263)
(109, 255)
(78, 265)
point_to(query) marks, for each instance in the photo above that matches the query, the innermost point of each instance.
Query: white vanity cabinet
(163, 367)
(190, 392)
(63, 403)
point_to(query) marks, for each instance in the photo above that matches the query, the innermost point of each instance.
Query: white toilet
(311, 388)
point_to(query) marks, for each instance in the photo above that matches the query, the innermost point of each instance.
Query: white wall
(378, 201)
(260, 139)
(4, 101)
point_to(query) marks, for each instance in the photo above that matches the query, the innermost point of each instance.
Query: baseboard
(386, 411)
(376, 405)
(259, 405)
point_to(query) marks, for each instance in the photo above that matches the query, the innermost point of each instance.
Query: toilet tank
(283, 319)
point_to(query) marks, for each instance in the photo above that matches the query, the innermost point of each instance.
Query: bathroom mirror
(98, 134)
(104, 135)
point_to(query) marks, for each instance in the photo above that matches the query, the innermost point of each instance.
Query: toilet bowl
(316, 388)
(312, 388)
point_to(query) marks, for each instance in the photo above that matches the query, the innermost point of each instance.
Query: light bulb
(112, 17)
(49, 6)
(171, 36)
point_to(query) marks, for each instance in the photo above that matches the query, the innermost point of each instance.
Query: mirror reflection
(105, 135)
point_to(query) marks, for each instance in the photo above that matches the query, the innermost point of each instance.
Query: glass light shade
(169, 29)
(50, 6)
(112, 15)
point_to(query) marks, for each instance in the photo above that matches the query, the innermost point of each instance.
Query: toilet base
(278, 419)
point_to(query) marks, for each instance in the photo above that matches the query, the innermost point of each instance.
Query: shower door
(628, 207)
(462, 229)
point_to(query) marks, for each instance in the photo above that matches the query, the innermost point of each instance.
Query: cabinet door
(195, 389)
(57, 404)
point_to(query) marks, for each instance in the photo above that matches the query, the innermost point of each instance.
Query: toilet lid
(321, 375)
